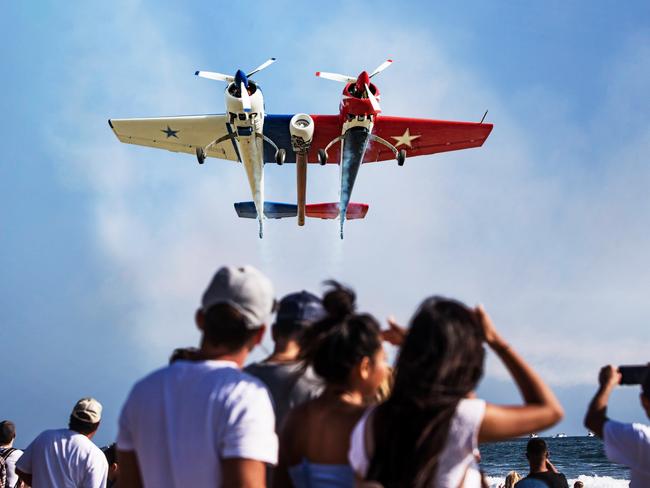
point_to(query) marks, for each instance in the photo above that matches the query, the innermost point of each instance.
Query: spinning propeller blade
(373, 100)
(381, 67)
(215, 76)
(336, 77)
(261, 67)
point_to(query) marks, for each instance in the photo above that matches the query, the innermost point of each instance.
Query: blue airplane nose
(240, 77)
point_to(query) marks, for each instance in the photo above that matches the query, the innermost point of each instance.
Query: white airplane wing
(178, 134)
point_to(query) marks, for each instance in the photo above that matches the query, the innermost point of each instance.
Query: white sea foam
(589, 481)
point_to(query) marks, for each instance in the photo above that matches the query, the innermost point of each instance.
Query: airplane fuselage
(357, 117)
(249, 145)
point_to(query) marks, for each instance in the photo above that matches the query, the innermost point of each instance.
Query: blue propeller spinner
(240, 77)
(240, 80)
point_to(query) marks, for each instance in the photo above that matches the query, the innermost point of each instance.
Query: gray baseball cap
(245, 289)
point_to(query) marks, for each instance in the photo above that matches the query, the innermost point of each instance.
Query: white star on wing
(405, 139)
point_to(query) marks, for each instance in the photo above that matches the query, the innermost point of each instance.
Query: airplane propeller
(363, 80)
(240, 79)
(381, 67)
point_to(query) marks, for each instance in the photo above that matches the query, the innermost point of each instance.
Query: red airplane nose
(363, 80)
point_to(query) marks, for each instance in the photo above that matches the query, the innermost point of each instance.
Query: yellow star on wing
(405, 139)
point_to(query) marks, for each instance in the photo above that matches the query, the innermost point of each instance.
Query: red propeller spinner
(361, 83)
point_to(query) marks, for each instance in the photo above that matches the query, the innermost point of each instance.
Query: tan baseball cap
(88, 410)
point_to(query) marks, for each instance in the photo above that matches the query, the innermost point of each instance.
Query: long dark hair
(440, 362)
(333, 346)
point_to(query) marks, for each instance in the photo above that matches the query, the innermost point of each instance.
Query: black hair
(7, 432)
(6, 439)
(536, 449)
(111, 453)
(82, 427)
(333, 346)
(339, 301)
(440, 362)
(289, 329)
(184, 354)
(225, 326)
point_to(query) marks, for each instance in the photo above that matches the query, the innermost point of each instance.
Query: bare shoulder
(296, 419)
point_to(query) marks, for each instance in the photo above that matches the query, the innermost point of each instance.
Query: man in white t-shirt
(67, 458)
(8, 453)
(625, 443)
(202, 421)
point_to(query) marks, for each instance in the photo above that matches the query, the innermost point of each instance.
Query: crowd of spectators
(325, 409)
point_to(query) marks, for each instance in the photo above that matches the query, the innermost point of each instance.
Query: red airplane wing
(423, 136)
(326, 128)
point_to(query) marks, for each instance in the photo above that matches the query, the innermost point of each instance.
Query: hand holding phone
(633, 375)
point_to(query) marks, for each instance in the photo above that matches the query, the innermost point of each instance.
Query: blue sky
(105, 248)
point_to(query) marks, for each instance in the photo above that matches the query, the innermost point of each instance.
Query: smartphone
(633, 375)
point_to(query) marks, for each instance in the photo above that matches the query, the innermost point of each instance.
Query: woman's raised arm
(541, 408)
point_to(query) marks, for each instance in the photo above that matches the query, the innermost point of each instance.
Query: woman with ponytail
(345, 350)
(426, 433)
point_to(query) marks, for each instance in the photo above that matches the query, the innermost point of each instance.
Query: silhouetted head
(7, 432)
(225, 327)
(441, 362)
(345, 348)
(536, 452)
(296, 312)
(111, 458)
(110, 452)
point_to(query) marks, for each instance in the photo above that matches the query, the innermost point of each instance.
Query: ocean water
(579, 458)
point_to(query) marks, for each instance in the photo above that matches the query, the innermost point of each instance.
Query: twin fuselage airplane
(245, 133)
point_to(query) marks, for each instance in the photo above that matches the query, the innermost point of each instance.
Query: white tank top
(458, 457)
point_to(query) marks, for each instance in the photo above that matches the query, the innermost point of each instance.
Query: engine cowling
(301, 128)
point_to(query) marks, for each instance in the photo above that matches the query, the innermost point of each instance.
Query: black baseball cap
(7, 431)
(302, 308)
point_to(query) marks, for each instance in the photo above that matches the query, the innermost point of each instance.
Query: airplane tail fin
(331, 210)
(272, 210)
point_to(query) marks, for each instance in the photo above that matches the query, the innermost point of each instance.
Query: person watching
(511, 480)
(625, 443)
(345, 350)
(426, 433)
(288, 382)
(8, 453)
(541, 467)
(113, 468)
(203, 421)
(67, 457)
